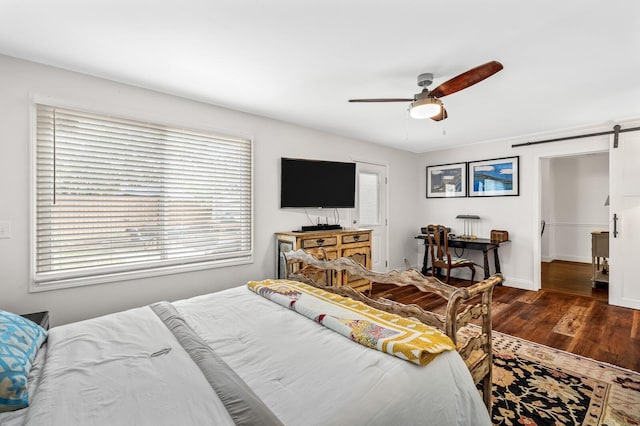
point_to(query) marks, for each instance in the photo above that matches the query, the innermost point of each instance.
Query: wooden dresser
(353, 243)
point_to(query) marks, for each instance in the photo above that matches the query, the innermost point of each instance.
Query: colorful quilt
(410, 340)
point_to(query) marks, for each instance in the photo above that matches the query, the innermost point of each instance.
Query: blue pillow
(20, 339)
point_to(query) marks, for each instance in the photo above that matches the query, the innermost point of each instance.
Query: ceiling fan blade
(383, 100)
(443, 114)
(466, 79)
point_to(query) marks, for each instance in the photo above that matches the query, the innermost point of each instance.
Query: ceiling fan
(427, 104)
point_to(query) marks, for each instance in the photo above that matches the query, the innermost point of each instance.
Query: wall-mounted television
(315, 183)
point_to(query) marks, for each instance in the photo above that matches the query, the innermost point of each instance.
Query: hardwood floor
(573, 278)
(582, 324)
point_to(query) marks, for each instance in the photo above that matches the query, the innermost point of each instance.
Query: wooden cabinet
(354, 243)
(599, 256)
(362, 255)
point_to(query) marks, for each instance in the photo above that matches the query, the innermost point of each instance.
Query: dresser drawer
(327, 244)
(318, 242)
(355, 238)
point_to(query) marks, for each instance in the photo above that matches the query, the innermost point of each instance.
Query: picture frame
(447, 180)
(497, 177)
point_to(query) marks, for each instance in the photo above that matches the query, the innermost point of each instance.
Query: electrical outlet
(5, 229)
(406, 263)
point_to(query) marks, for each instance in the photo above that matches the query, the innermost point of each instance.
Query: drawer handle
(320, 241)
(356, 237)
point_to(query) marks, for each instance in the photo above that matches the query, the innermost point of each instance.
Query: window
(117, 196)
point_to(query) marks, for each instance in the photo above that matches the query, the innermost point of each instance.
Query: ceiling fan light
(425, 108)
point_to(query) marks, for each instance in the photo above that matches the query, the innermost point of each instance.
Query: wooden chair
(438, 238)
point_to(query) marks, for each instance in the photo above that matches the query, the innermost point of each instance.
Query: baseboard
(569, 258)
(624, 302)
(463, 274)
(547, 259)
(518, 283)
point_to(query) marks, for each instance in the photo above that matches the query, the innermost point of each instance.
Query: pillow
(20, 340)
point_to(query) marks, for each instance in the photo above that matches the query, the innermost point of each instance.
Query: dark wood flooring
(572, 278)
(582, 324)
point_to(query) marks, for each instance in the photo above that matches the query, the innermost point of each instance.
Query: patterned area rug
(538, 385)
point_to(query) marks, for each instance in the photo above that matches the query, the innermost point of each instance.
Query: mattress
(129, 368)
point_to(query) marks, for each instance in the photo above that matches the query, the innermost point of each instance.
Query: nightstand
(40, 318)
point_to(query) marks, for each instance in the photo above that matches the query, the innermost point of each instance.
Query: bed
(234, 357)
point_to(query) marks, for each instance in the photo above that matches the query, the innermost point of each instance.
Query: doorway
(371, 209)
(573, 205)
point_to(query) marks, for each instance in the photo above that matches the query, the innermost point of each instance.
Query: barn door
(624, 220)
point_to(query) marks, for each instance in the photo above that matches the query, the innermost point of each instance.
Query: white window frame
(36, 285)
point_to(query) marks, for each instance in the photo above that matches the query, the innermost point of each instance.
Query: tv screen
(312, 183)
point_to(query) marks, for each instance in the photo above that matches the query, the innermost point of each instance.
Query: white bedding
(309, 375)
(100, 372)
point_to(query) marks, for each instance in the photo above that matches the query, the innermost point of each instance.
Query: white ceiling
(567, 64)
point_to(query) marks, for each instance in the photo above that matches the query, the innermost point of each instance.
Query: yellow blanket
(401, 337)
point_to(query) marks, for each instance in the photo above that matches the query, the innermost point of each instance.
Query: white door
(624, 216)
(371, 209)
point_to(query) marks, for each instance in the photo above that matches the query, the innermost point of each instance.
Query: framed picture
(447, 180)
(494, 178)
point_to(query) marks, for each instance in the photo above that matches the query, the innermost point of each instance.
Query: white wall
(518, 215)
(272, 139)
(546, 208)
(408, 207)
(574, 191)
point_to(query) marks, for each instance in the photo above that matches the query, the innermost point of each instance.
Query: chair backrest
(438, 238)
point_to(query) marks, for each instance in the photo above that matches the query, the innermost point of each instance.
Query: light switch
(5, 229)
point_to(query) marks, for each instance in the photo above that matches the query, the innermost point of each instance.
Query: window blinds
(117, 195)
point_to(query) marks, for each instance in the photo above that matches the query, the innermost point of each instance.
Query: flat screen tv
(314, 183)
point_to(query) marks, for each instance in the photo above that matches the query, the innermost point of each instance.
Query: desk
(482, 244)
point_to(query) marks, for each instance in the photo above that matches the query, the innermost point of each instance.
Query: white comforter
(100, 372)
